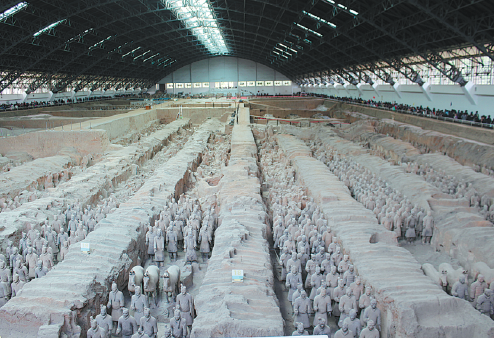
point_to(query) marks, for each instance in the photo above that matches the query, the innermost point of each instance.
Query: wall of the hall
(228, 69)
(480, 97)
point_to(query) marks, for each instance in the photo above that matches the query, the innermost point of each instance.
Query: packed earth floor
(226, 230)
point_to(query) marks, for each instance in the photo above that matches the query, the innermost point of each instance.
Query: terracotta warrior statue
(115, 303)
(95, 331)
(127, 324)
(185, 304)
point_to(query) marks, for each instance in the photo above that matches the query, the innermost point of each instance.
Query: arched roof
(143, 40)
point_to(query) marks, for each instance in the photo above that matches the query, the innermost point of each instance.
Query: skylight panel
(163, 61)
(12, 10)
(345, 8)
(100, 43)
(198, 16)
(79, 36)
(49, 27)
(166, 65)
(152, 56)
(282, 51)
(309, 30)
(286, 47)
(315, 17)
(142, 54)
(132, 51)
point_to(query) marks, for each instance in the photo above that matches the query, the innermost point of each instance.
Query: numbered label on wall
(237, 276)
(85, 247)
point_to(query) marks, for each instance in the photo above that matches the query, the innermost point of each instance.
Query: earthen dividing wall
(413, 187)
(463, 150)
(68, 107)
(45, 122)
(411, 304)
(248, 309)
(196, 115)
(124, 124)
(296, 103)
(21, 177)
(464, 131)
(403, 151)
(89, 137)
(87, 113)
(49, 143)
(88, 185)
(283, 113)
(459, 230)
(204, 105)
(73, 289)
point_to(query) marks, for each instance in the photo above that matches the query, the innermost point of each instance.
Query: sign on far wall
(226, 85)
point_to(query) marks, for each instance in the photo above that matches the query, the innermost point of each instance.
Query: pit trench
(271, 191)
(189, 163)
(121, 188)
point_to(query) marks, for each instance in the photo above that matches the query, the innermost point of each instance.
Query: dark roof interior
(382, 30)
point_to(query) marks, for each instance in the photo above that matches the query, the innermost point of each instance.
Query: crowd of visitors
(59, 102)
(426, 111)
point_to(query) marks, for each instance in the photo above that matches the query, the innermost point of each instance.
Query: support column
(469, 91)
